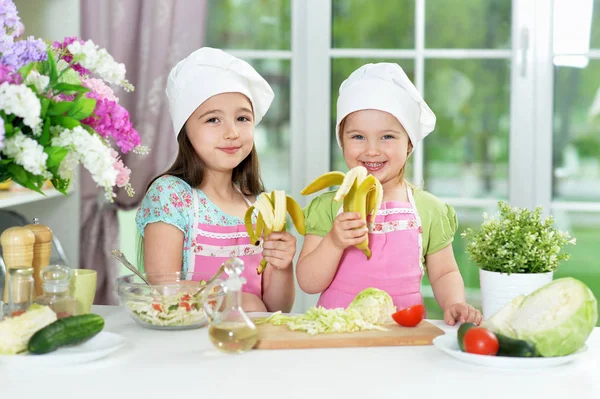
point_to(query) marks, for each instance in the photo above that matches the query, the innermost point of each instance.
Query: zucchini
(67, 331)
(461, 333)
(512, 347)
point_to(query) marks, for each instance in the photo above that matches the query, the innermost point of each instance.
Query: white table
(160, 364)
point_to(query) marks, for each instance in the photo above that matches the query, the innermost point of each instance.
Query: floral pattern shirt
(170, 200)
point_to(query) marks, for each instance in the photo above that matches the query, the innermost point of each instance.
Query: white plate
(448, 343)
(98, 347)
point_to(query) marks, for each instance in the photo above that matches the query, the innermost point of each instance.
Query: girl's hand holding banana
(279, 249)
(360, 192)
(349, 228)
(279, 246)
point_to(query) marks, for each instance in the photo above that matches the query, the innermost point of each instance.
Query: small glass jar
(55, 284)
(20, 290)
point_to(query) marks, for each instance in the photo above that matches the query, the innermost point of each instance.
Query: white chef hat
(207, 72)
(385, 87)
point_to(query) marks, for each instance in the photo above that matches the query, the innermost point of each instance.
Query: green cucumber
(67, 331)
(461, 333)
(512, 347)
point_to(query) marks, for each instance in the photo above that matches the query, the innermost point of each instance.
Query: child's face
(221, 130)
(376, 140)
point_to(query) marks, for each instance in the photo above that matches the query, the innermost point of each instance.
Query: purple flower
(67, 56)
(10, 23)
(22, 52)
(7, 74)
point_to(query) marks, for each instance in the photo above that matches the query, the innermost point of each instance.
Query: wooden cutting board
(280, 337)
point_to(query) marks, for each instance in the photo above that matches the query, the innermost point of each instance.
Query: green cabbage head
(557, 318)
(376, 306)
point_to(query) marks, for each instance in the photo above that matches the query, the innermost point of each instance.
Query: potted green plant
(516, 252)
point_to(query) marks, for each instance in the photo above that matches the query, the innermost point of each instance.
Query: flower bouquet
(58, 110)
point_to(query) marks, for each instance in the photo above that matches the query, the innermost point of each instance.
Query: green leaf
(82, 108)
(65, 121)
(53, 72)
(45, 139)
(45, 104)
(55, 156)
(61, 185)
(67, 88)
(91, 130)
(25, 69)
(24, 178)
(8, 130)
(59, 108)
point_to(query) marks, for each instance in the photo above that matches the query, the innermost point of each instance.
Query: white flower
(21, 101)
(28, 153)
(68, 165)
(40, 82)
(99, 61)
(91, 151)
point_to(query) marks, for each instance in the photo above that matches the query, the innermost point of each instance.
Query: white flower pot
(499, 289)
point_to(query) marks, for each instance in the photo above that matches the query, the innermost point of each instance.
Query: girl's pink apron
(212, 245)
(395, 266)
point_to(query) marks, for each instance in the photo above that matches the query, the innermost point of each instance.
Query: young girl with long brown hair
(191, 217)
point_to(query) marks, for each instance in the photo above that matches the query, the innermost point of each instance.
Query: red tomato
(186, 297)
(480, 341)
(185, 305)
(157, 307)
(411, 316)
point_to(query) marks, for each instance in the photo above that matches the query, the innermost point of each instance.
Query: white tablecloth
(160, 364)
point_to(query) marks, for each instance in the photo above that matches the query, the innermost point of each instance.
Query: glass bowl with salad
(168, 303)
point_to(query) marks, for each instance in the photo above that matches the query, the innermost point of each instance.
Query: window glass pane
(467, 153)
(272, 134)
(467, 217)
(595, 31)
(576, 146)
(583, 265)
(482, 24)
(384, 24)
(249, 24)
(341, 68)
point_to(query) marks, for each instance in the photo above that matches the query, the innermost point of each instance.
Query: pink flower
(67, 56)
(100, 88)
(123, 172)
(187, 198)
(112, 120)
(176, 201)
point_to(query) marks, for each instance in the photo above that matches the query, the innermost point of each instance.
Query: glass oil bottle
(231, 330)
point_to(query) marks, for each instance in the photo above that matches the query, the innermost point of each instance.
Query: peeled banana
(360, 192)
(272, 210)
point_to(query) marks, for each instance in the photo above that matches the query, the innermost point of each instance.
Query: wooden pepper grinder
(17, 251)
(42, 250)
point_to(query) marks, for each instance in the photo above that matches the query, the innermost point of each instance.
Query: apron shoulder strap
(242, 194)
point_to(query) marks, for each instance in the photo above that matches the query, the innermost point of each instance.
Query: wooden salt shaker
(42, 249)
(17, 251)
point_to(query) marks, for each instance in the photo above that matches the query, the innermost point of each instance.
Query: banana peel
(272, 211)
(359, 191)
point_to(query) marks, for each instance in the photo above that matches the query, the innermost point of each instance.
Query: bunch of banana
(272, 209)
(360, 191)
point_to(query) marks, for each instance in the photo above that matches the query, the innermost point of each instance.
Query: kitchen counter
(161, 364)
